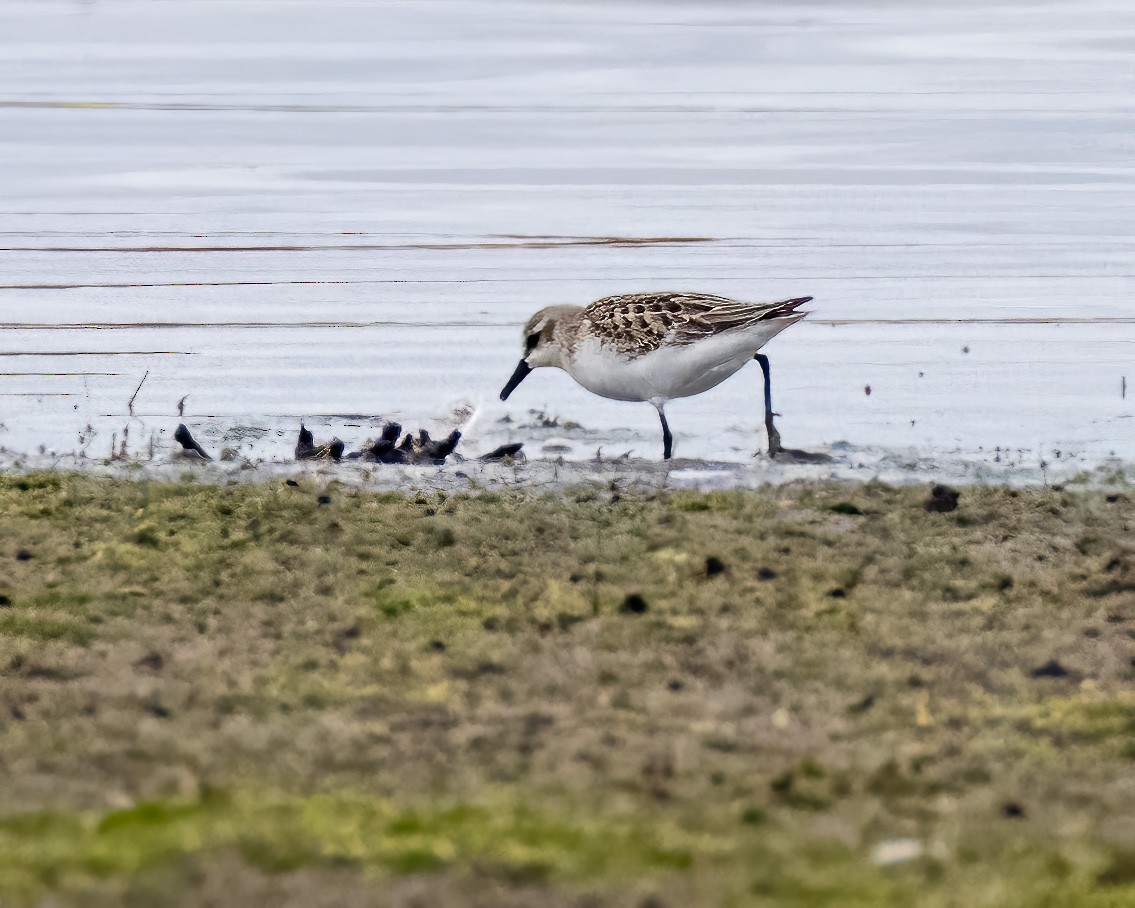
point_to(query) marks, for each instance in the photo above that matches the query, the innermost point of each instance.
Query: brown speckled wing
(637, 323)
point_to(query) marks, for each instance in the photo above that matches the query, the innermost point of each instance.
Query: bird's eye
(530, 343)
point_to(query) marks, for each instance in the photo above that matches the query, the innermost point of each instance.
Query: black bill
(518, 376)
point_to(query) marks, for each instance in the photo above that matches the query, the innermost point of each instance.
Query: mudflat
(300, 693)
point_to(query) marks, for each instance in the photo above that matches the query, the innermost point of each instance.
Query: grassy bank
(298, 695)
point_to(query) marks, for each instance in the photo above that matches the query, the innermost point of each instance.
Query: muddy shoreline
(602, 694)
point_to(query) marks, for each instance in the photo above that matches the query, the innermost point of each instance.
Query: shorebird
(656, 347)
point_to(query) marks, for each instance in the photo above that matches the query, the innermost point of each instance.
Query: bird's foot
(774, 445)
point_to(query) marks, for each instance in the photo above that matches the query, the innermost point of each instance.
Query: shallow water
(344, 213)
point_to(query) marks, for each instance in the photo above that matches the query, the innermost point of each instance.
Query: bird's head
(543, 343)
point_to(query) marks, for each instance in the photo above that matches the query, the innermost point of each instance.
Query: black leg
(774, 446)
(667, 438)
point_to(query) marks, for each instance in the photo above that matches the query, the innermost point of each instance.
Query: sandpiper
(656, 346)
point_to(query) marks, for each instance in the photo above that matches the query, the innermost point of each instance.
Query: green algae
(241, 681)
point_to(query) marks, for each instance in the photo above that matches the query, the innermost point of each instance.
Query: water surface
(344, 212)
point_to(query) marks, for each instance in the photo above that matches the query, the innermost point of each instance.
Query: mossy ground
(241, 695)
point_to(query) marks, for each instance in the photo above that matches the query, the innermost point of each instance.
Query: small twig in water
(130, 403)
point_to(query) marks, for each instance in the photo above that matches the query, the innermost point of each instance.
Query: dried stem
(130, 403)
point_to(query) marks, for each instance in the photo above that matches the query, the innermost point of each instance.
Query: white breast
(669, 372)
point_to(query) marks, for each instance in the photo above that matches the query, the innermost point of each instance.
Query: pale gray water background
(344, 212)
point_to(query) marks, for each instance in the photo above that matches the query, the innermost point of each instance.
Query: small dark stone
(863, 705)
(491, 623)
(47, 672)
(438, 646)
(674, 684)
(714, 566)
(1050, 669)
(942, 499)
(1013, 810)
(24, 555)
(838, 593)
(292, 483)
(324, 499)
(5, 601)
(634, 604)
(17, 712)
(753, 816)
(344, 637)
(153, 661)
(158, 710)
(1091, 632)
(1112, 499)
(766, 574)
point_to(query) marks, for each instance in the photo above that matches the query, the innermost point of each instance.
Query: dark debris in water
(185, 438)
(412, 449)
(504, 452)
(384, 450)
(307, 449)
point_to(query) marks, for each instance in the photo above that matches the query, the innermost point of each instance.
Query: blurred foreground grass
(819, 694)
